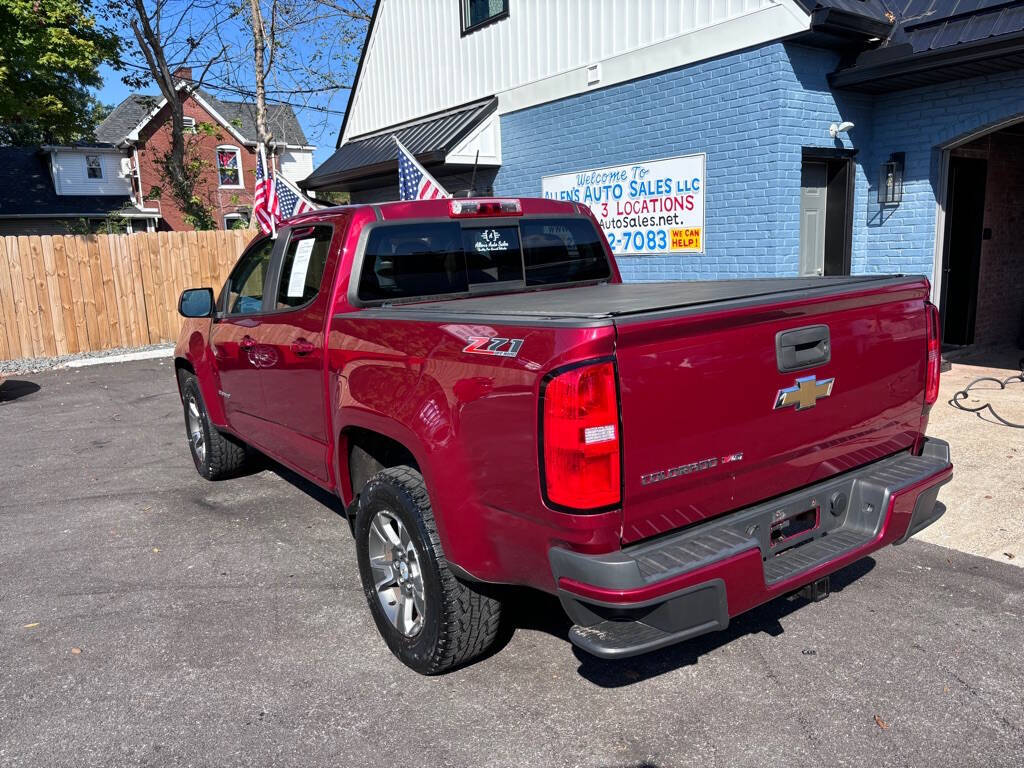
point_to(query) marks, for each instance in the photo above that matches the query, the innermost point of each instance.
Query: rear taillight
(465, 209)
(931, 389)
(581, 460)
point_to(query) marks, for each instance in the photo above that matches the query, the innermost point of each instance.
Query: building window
(229, 166)
(189, 124)
(238, 220)
(477, 13)
(93, 167)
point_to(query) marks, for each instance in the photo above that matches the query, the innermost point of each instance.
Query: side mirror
(196, 302)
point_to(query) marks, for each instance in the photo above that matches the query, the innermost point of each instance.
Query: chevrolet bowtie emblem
(805, 393)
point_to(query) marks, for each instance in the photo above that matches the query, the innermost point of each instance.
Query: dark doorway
(961, 258)
(826, 213)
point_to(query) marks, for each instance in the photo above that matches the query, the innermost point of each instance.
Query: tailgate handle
(802, 348)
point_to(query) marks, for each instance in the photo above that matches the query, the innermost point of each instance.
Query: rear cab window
(408, 261)
(302, 266)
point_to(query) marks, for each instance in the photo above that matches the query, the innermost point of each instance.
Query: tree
(166, 36)
(50, 53)
(305, 48)
(264, 51)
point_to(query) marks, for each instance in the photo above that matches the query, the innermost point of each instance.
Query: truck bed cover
(604, 303)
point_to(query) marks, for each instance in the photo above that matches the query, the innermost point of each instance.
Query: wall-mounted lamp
(836, 128)
(890, 180)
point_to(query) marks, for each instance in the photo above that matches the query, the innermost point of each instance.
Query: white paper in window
(300, 266)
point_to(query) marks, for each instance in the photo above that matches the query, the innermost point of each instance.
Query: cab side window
(244, 288)
(302, 268)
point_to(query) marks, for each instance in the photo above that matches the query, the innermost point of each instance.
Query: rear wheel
(430, 620)
(215, 454)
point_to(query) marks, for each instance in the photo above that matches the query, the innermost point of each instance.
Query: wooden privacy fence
(81, 293)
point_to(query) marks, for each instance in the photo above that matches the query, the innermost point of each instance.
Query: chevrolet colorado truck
(494, 406)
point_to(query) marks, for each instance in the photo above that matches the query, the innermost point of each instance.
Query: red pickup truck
(495, 407)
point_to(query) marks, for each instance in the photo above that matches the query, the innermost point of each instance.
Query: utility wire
(252, 95)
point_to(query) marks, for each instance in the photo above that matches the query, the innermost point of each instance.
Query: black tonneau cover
(601, 304)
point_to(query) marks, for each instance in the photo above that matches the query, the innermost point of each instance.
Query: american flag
(276, 198)
(290, 201)
(264, 202)
(414, 183)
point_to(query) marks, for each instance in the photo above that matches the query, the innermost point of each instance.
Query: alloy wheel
(196, 435)
(397, 578)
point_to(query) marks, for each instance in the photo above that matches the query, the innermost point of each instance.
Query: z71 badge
(494, 346)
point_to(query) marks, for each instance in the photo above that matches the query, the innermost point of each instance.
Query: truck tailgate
(701, 431)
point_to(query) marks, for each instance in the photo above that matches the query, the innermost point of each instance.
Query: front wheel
(429, 619)
(215, 454)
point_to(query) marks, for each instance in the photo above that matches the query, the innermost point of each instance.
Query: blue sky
(321, 127)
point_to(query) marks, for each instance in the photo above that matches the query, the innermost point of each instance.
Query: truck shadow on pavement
(12, 389)
(529, 609)
(260, 462)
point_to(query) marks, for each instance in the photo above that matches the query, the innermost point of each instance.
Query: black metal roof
(430, 139)
(929, 25)
(26, 188)
(939, 40)
(240, 114)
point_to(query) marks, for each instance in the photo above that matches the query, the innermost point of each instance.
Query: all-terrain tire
(459, 622)
(216, 455)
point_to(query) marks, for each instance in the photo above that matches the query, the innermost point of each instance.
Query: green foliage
(115, 223)
(332, 197)
(209, 129)
(50, 52)
(185, 186)
(241, 223)
(189, 188)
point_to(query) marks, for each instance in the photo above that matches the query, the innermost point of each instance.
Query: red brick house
(140, 128)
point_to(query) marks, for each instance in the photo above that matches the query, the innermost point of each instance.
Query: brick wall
(155, 141)
(920, 122)
(1001, 277)
(751, 112)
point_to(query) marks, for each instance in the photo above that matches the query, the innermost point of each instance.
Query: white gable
(71, 175)
(295, 164)
(418, 62)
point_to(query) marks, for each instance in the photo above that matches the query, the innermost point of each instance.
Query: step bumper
(680, 586)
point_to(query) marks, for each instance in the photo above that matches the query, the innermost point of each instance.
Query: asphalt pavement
(149, 617)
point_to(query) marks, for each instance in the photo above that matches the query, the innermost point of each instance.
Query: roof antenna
(472, 181)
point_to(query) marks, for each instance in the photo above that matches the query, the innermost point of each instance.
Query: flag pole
(270, 194)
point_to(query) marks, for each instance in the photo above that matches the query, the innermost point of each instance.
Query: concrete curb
(148, 354)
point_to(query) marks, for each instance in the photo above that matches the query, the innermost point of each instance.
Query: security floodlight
(835, 129)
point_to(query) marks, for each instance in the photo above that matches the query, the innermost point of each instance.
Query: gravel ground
(151, 618)
(37, 364)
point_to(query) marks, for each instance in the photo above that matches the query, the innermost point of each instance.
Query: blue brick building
(832, 136)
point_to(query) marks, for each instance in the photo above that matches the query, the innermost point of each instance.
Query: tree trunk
(260, 68)
(152, 48)
(181, 180)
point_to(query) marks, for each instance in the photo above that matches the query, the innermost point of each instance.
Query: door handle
(247, 342)
(802, 348)
(302, 348)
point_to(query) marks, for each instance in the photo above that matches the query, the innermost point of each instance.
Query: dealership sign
(651, 207)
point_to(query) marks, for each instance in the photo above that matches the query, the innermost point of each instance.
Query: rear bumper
(657, 593)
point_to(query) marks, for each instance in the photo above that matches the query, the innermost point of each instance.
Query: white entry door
(813, 197)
